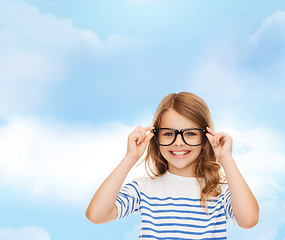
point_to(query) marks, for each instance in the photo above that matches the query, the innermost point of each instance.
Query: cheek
(196, 152)
(163, 151)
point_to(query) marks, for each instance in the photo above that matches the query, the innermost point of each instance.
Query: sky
(76, 77)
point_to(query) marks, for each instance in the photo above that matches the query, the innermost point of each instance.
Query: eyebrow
(179, 128)
(182, 128)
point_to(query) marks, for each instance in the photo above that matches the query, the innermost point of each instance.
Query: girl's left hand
(221, 144)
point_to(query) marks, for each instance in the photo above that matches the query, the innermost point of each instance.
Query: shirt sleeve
(128, 200)
(228, 205)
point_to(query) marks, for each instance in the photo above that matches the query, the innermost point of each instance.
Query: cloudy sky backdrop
(77, 76)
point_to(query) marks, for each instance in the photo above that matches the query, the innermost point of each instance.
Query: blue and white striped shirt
(170, 208)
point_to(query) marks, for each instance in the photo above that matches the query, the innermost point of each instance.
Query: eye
(189, 134)
(168, 134)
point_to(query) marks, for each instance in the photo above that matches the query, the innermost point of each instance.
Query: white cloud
(216, 77)
(24, 233)
(260, 157)
(258, 145)
(63, 162)
(270, 223)
(272, 28)
(38, 50)
(264, 49)
(49, 159)
(227, 73)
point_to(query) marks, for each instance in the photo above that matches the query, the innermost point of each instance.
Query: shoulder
(224, 188)
(148, 184)
(225, 195)
(146, 180)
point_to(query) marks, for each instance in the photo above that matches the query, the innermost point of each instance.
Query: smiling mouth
(180, 153)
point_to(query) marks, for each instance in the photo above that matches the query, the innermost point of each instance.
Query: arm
(244, 204)
(102, 207)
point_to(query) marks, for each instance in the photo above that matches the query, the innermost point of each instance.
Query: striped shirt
(170, 208)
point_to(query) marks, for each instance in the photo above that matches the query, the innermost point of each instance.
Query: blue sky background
(77, 76)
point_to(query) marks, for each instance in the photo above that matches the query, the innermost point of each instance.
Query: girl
(185, 196)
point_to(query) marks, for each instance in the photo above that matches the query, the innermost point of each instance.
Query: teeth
(181, 153)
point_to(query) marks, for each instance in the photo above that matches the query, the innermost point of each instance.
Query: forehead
(172, 119)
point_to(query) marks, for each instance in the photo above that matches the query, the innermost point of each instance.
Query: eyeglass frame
(179, 131)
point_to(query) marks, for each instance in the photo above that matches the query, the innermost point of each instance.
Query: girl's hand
(137, 142)
(221, 144)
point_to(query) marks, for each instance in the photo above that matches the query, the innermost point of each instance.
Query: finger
(137, 138)
(225, 138)
(220, 139)
(137, 129)
(211, 139)
(143, 132)
(139, 134)
(141, 137)
(149, 128)
(148, 137)
(217, 138)
(214, 139)
(211, 131)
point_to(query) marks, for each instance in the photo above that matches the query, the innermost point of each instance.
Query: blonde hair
(208, 169)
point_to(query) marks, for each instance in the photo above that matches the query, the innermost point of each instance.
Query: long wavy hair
(207, 169)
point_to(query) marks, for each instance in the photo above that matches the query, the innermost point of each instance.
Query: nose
(179, 141)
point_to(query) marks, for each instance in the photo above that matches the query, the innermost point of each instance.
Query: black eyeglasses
(191, 136)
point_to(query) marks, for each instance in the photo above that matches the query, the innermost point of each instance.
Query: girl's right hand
(137, 142)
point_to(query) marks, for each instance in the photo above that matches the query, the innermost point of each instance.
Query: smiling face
(180, 156)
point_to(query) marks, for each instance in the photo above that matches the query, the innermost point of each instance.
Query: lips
(180, 154)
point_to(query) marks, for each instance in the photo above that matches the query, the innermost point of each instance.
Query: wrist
(129, 161)
(227, 163)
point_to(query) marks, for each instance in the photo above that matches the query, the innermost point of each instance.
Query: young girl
(186, 196)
